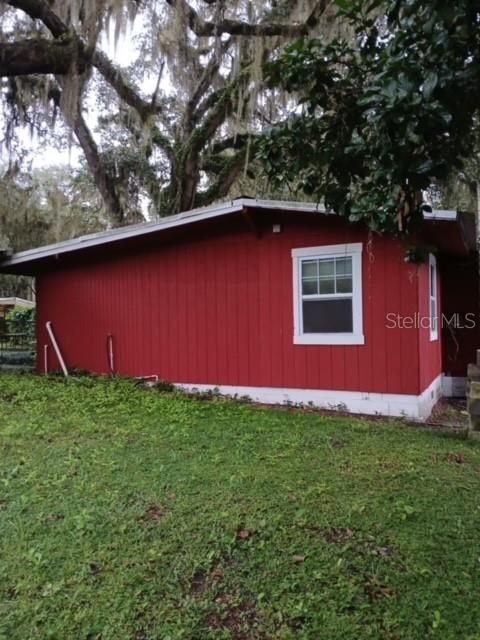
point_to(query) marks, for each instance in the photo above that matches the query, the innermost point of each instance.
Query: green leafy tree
(377, 121)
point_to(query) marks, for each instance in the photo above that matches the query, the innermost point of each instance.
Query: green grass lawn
(127, 514)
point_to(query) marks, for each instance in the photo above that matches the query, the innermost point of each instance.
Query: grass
(134, 515)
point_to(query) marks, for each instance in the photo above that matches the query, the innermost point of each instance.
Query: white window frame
(433, 299)
(353, 251)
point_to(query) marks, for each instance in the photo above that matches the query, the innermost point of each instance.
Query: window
(327, 285)
(433, 297)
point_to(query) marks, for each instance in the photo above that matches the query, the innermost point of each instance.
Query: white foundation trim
(387, 404)
(454, 387)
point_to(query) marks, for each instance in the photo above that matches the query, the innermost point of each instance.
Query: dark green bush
(21, 320)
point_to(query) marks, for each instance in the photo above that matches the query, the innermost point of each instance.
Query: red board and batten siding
(216, 307)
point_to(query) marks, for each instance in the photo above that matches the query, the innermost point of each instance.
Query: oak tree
(179, 126)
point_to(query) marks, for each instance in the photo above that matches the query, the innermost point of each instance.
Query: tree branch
(204, 83)
(115, 79)
(214, 119)
(40, 10)
(203, 28)
(225, 180)
(104, 183)
(233, 142)
(27, 57)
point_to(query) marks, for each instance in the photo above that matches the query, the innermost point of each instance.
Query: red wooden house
(275, 300)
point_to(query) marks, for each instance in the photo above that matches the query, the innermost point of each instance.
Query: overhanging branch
(116, 80)
(43, 57)
(39, 56)
(203, 28)
(224, 181)
(41, 10)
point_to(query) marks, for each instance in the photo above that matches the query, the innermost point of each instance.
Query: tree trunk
(105, 184)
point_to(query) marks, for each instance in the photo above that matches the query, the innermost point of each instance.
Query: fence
(16, 342)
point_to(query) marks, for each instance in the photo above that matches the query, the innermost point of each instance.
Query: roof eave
(126, 233)
(29, 262)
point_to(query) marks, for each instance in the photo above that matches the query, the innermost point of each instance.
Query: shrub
(21, 320)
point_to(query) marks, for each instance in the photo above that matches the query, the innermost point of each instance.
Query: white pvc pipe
(56, 348)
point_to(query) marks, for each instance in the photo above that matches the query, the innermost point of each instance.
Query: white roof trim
(16, 302)
(146, 228)
(440, 214)
(170, 222)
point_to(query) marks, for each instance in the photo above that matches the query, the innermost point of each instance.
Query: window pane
(433, 315)
(344, 285)
(432, 281)
(326, 267)
(327, 286)
(327, 316)
(344, 266)
(309, 269)
(310, 287)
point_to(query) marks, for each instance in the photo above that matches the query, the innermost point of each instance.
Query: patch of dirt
(235, 614)
(95, 569)
(55, 517)
(298, 559)
(376, 590)
(336, 535)
(154, 513)
(368, 546)
(244, 534)
(456, 458)
(387, 466)
(199, 582)
(449, 412)
(229, 563)
(203, 579)
(11, 593)
(297, 624)
(347, 468)
(237, 617)
(381, 552)
(10, 397)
